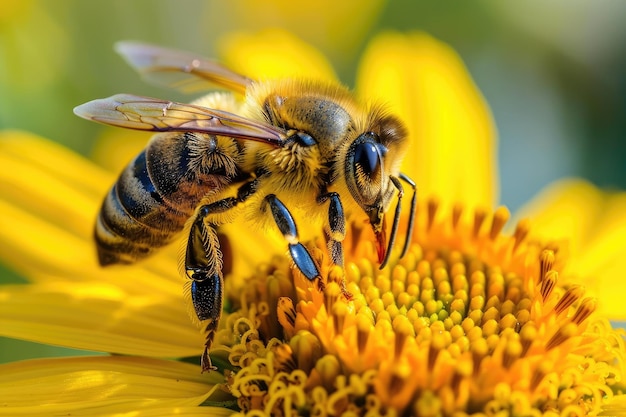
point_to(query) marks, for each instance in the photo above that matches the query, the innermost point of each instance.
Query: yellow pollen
(470, 321)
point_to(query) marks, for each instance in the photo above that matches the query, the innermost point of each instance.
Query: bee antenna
(409, 231)
(396, 220)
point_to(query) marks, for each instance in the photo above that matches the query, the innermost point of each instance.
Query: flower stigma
(470, 322)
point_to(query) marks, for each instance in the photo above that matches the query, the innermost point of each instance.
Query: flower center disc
(470, 321)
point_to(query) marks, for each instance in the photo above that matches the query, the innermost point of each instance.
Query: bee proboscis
(291, 145)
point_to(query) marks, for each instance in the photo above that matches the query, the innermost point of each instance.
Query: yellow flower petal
(101, 386)
(50, 198)
(116, 147)
(329, 32)
(99, 317)
(273, 53)
(38, 154)
(452, 151)
(594, 227)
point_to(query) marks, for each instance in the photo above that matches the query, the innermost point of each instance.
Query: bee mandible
(290, 146)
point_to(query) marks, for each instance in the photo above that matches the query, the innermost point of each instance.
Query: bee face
(371, 161)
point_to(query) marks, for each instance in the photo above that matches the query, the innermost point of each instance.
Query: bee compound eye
(368, 154)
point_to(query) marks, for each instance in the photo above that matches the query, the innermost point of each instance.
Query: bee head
(372, 159)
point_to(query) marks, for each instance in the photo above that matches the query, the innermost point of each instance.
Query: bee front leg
(287, 226)
(203, 265)
(336, 232)
(336, 227)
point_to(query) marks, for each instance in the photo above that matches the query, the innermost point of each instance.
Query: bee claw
(320, 285)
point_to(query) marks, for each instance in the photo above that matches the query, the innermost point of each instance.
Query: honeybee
(290, 146)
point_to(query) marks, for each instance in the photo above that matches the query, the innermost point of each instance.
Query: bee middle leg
(287, 226)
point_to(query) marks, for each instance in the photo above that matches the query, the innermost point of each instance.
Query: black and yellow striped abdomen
(157, 192)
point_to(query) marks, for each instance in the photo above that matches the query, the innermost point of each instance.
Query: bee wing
(184, 71)
(145, 113)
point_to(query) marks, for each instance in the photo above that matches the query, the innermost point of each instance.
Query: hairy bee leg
(203, 266)
(409, 231)
(287, 226)
(207, 301)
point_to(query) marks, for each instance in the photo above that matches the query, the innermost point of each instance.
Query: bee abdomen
(135, 219)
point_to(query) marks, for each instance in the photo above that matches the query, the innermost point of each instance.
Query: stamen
(546, 262)
(513, 350)
(331, 294)
(457, 211)
(286, 315)
(528, 334)
(521, 231)
(540, 373)
(587, 307)
(561, 335)
(572, 295)
(283, 358)
(479, 218)
(307, 349)
(403, 329)
(548, 284)
(433, 205)
(327, 368)
(500, 217)
(363, 327)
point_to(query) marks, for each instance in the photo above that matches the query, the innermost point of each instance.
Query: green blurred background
(552, 71)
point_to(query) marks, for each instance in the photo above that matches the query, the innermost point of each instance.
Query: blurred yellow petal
(593, 225)
(99, 317)
(101, 386)
(329, 32)
(273, 53)
(115, 147)
(50, 198)
(36, 153)
(453, 139)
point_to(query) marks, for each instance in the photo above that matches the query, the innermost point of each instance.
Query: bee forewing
(182, 70)
(145, 113)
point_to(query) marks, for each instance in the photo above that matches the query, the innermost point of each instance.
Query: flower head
(472, 321)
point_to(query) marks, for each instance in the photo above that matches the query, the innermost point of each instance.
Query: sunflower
(476, 319)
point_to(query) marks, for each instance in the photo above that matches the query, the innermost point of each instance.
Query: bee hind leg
(287, 226)
(203, 266)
